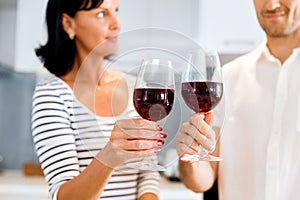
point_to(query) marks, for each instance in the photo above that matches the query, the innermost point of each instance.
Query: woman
(80, 122)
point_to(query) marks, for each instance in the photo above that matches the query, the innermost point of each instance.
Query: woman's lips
(112, 38)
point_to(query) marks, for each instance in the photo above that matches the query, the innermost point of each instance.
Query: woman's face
(98, 27)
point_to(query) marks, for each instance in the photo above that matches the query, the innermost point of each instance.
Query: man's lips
(276, 15)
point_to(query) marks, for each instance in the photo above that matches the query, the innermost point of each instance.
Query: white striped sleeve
(53, 138)
(149, 181)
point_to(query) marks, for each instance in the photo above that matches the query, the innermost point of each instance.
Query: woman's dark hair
(59, 51)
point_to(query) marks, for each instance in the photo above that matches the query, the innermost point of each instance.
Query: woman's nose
(115, 24)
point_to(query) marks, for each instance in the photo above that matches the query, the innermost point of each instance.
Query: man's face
(278, 18)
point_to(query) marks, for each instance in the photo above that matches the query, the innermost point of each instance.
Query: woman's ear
(68, 25)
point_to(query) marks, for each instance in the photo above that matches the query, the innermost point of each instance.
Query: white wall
(22, 30)
(230, 26)
(30, 32)
(177, 15)
(7, 27)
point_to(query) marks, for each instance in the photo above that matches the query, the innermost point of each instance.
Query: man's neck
(282, 47)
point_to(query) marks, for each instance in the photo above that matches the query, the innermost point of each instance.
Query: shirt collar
(265, 52)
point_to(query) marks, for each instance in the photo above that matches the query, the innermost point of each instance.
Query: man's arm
(198, 176)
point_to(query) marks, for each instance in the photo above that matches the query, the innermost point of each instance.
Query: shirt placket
(273, 154)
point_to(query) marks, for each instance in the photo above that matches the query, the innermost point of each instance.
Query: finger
(199, 122)
(211, 134)
(142, 153)
(144, 134)
(138, 123)
(140, 145)
(200, 140)
(186, 144)
(138, 134)
(183, 149)
(193, 132)
(208, 117)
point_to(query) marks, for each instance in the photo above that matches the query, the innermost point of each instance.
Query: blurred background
(230, 27)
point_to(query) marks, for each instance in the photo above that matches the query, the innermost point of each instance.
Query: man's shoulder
(244, 59)
(241, 67)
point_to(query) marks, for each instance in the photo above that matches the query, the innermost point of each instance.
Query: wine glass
(153, 98)
(202, 90)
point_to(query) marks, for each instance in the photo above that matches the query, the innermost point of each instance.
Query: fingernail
(157, 150)
(160, 142)
(163, 135)
(159, 127)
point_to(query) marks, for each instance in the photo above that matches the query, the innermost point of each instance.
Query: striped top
(67, 136)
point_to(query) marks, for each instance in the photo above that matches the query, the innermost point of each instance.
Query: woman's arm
(54, 141)
(148, 196)
(88, 185)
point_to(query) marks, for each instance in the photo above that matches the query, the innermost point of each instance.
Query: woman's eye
(101, 14)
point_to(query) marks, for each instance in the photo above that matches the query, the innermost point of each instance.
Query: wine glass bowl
(201, 96)
(153, 103)
(153, 97)
(202, 89)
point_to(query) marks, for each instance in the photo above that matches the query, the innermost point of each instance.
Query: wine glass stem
(202, 153)
(147, 162)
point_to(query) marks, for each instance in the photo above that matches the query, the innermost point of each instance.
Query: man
(260, 138)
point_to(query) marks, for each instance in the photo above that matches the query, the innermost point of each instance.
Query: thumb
(208, 117)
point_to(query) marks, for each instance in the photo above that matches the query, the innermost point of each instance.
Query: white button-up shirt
(260, 140)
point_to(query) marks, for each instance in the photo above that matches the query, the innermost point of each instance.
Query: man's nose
(272, 4)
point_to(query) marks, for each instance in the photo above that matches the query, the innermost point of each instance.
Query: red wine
(201, 96)
(153, 103)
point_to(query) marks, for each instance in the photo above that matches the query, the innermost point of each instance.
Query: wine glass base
(197, 157)
(146, 166)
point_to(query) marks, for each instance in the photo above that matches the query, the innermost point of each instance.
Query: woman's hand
(195, 133)
(132, 139)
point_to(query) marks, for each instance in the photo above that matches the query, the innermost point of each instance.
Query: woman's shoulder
(51, 83)
(119, 77)
(53, 86)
